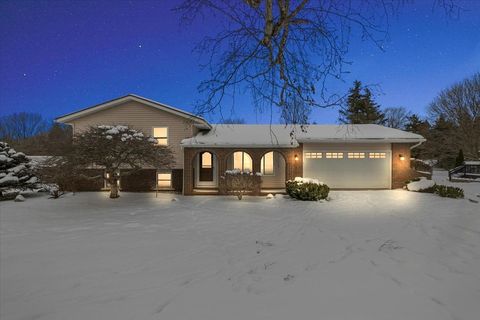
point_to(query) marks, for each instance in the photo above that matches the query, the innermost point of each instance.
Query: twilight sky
(60, 56)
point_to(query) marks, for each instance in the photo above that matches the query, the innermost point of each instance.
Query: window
(313, 155)
(356, 155)
(334, 155)
(106, 185)
(161, 134)
(242, 161)
(164, 180)
(266, 164)
(377, 155)
(206, 160)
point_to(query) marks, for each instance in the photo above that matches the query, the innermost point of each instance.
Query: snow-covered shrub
(17, 173)
(421, 185)
(307, 189)
(429, 186)
(449, 191)
(240, 182)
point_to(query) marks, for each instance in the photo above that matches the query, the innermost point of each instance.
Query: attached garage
(349, 166)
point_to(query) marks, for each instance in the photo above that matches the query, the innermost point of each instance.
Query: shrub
(306, 189)
(239, 183)
(449, 191)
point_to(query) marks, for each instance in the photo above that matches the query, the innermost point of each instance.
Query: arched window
(242, 161)
(206, 160)
(266, 164)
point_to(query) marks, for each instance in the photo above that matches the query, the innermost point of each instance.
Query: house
(342, 156)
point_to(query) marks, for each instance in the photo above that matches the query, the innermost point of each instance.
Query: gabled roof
(265, 136)
(202, 123)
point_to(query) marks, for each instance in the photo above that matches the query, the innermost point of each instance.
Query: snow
(249, 135)
(270, 196)
(422, 184)
(307, 180)
(8, 179)
(364, 255)
(19, 198)
(472, 162)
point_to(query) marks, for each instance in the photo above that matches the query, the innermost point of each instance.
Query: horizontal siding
(141, 117)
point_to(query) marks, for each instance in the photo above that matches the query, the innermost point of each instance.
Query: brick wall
(401, 171)
(293, 168)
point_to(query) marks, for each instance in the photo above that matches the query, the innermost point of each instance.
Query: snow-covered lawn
(363, 255)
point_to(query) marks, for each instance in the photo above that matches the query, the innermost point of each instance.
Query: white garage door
(349, 169)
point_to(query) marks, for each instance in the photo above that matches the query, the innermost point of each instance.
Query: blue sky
(59, 56)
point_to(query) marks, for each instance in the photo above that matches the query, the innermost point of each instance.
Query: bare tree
(460, 105)
(22, 125)
(233, 121)
(113, 148)
(284, 51)
(397, 117)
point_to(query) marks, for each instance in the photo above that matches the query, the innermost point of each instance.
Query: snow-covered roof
(472, 162)
(202, 123)
(265, 136)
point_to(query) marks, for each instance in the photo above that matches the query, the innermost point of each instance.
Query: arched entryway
(273, 169)
(205, 169)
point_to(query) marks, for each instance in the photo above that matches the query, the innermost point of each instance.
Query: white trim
(196, 179)
(168, 134)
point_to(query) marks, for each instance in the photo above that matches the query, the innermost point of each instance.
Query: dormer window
(161, 134)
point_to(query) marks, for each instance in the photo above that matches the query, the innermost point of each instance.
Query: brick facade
(401, 171)
(294, 167)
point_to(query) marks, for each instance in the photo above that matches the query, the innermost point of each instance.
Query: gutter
(417, 144)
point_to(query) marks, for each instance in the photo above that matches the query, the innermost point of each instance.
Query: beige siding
(141, 117)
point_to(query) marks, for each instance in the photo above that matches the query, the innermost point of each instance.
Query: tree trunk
(114, 189)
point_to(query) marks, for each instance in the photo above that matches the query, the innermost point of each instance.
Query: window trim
(356, 155)
(243, 160)
(337, 153)
(313, 155)
(211, 160)
(158, 179)
(373, 155)
(167, 137)
(262, 164)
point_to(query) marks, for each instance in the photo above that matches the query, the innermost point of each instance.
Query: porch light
(296, 157)
(401, 157)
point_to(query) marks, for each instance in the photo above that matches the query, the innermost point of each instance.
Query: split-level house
(362, 156)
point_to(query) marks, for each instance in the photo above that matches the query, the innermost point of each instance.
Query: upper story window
(334, 155)
(242, 161)
(266, 164)
(161, 134)
(356, 155)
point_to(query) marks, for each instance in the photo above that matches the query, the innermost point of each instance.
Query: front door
(205, 166)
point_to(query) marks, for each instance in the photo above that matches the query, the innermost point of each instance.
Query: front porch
(204, 167)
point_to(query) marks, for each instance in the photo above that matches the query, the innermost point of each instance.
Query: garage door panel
(350, 173)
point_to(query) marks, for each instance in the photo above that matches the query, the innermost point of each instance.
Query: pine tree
(16, 173)
(360, 108)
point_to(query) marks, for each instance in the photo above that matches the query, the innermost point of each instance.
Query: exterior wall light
(296, 157)
(401, 157)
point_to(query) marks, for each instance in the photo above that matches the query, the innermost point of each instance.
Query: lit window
(334, 155)
(377, 155)
(313, 155)
(161, 134)
(242, 161)
(206, 160)
(164, 180)
(356, 155)
(266, 164)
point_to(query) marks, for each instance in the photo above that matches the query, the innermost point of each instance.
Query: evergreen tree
(360, 108)
(459, 159)
(17, 173)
